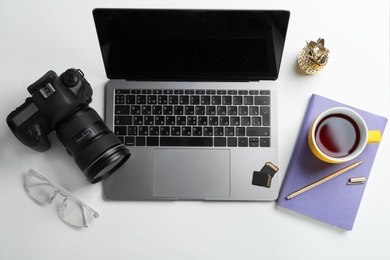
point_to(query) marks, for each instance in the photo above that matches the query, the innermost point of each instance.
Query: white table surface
(37, 36)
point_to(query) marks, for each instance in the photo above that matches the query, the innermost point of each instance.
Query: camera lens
(95, 148)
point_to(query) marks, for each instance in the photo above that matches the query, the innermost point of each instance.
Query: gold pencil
(325, 179)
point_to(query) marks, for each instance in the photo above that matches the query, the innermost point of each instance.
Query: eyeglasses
(73, 211)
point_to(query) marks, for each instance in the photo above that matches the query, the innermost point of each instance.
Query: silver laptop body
(150, 57)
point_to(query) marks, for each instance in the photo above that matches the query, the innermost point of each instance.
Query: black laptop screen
(205, 45)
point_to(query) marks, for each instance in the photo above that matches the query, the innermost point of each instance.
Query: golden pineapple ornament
(313, 57)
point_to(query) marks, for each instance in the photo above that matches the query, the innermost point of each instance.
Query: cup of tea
(339, 135)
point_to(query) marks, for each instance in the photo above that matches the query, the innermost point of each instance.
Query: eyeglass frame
(63, 192)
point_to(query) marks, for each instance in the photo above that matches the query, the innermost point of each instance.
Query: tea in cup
(339, 135)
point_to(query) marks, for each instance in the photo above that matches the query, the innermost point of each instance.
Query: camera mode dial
(70, 78)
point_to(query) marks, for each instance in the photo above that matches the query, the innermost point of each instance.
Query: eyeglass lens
(76, 214)
(72, 211)
(40, 189)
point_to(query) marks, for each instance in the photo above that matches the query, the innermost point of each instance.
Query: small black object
(61, 104)
(264, 176)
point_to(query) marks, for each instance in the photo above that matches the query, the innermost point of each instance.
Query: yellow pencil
(325, 179)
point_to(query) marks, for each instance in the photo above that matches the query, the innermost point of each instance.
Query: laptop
(193, 95)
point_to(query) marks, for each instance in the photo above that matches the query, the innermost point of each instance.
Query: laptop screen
(201, 45)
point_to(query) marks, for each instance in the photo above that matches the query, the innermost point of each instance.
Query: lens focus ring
(77, 123)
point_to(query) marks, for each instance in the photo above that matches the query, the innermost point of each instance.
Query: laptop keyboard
(198, 118)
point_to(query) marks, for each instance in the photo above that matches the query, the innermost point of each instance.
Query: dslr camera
(62, 104)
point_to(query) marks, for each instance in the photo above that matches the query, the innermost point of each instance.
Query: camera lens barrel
(96, 149)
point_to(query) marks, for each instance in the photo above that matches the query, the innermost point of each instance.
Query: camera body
(53, 100)
(62, 104)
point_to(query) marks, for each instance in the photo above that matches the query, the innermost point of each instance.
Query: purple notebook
(333, 202)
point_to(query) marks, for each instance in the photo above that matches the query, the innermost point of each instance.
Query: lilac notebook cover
(333, 202)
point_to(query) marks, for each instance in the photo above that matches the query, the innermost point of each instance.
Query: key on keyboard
(199, 118)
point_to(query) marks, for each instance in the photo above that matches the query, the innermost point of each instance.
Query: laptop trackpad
(191, 173)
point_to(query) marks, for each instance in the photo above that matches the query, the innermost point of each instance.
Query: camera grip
(33, 137)
(29, 127)
(36, 139)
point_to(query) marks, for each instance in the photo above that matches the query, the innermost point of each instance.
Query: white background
(37, 36)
